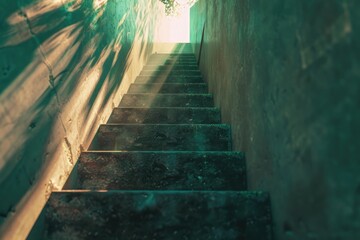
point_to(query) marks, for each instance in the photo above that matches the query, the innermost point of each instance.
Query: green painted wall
(286, 75)
(63, 66)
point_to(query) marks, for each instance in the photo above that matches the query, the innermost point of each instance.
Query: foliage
(172, 7)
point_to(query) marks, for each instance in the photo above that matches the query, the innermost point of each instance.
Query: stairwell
(161, 168)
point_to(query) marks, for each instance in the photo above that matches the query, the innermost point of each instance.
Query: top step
(170, 67)
(183, 60)
(173, 57)
(173, 48)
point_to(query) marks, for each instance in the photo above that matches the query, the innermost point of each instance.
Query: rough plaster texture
(286, 76)
(63, 66)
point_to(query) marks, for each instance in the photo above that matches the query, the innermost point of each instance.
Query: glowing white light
(186, 3)
(174, 28)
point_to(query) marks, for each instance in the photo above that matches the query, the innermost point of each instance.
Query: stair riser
(165, 115)
(172, 60)
(168, 88)
(157, 215)
(163, 59)
(169, 79)
(171, 63)
(170, 73)
(180, 66)
(166, 100)
(173, 57)
(162, 138)
(161, 171)
(173, 54)
(171, 68)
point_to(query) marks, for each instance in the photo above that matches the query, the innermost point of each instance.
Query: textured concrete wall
(286, 75)
(63, 66)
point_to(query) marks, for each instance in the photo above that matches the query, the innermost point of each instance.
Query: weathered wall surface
(286, 75)
(63, 66)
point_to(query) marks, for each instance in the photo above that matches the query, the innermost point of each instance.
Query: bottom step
(155, 215)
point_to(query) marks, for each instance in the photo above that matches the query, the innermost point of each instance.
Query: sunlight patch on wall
(97, 4)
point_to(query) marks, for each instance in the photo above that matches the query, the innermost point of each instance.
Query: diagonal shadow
(31, 143)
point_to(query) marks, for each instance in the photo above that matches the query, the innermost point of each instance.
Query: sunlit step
(168, 88)
(175, 64)
(160, 73)
(172, 62)
(172, 58)
(166, 100)
(169, 79)
(174, 115)
(172, 55)
(171, 67)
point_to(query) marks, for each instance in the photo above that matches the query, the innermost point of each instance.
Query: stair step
(169, 79)
(166, 100)
(172, 62)
(172, 58)
(171, 67)
(159, 215)
(160, 73)
(162, 168)
(161, 171)
(173, 55)
(169, 88)
(162, 137)
(165, 115)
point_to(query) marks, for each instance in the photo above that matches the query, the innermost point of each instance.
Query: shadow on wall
(63, 66)
(285, 75)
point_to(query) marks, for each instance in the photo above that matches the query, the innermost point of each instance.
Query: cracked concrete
(50, 104)
(40, 48)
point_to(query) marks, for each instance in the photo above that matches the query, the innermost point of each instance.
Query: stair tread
(172, 71)
(172, 84)
(161, 170)
(175, 108)
(174, 88)
(157, 125)
(168, 73)
(172, 56)
(170, 67)
(169, 79)
(169, 63)
(158, 215)
(194, 137)
(172, 94)
(174, 115)
(166, 100)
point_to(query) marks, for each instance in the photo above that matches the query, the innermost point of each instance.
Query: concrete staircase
(161, 168)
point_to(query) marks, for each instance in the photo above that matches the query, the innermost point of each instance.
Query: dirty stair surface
(161, 168)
